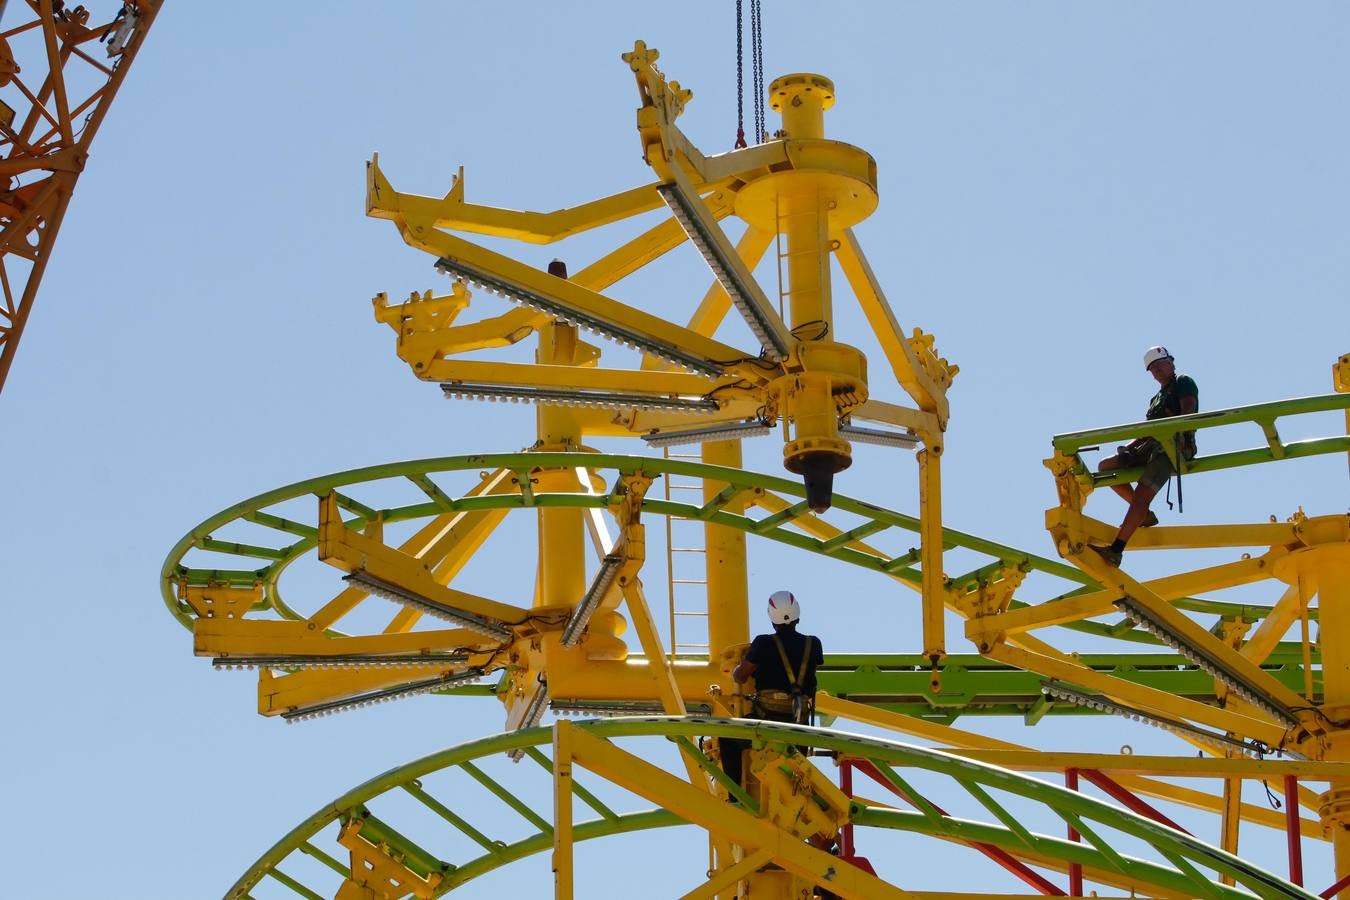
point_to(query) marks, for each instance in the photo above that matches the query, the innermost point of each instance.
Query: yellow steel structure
(564, 647)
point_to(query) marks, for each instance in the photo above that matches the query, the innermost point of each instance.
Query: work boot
(1149, 520)
(1111, 557)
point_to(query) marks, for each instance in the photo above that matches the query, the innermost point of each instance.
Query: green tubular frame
(1183, 852)
(977, 685)
(775, 527)
(1263, 415)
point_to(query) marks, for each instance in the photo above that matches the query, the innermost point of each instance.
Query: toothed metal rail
(728, 269)
(412, 689)
(1220, 742)
(495, 283)
(1235, 682)
(462, 390)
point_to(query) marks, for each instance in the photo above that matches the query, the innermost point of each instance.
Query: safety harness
(791, 702)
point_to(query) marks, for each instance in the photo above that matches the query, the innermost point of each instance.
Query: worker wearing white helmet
(783, 665)
(1177, 396)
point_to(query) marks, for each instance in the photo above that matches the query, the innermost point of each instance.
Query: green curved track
(1177, 862)
(299, 537)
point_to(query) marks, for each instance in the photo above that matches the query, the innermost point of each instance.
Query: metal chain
(740, 79)
(757, 65)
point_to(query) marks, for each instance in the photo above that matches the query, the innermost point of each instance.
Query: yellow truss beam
(713, 308)
(1159, 766)
(352, 551)
(504, 374)
(1273, 627)
(956, 740)
(242, 638)
(279, 693)
(709, 812)
(1186, 629)
(922, 374)
(450, 211)
(446, 542)
(577, 300)
(1143, 697)
(1100, 602)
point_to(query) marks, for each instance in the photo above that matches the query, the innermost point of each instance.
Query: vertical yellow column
(802, 99)
(1328, 568)
(728, 588)
(562, 811)
(804, 202)
(930, 560)
(562, 532)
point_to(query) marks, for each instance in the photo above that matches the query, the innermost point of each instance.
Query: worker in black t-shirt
(783, 665)
(1177, 396)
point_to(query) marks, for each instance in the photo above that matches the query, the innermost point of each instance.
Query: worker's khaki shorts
(1158, 468)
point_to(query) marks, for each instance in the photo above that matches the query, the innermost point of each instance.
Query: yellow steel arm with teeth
(375, 565)
(242, 639)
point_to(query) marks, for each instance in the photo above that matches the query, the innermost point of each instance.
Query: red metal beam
(846, 785)
(1128, 799)
(1291, 827)
(1012, 864)
(1075, 869)
(1336, 888)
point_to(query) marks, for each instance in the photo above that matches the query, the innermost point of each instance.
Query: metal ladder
(784, 293)
(685, 544)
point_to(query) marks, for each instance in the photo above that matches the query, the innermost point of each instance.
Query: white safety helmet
(1153, 354)
(783, 608)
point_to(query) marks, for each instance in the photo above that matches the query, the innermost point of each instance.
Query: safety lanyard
(800, 677)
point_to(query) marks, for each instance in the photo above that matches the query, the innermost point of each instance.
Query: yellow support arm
(243, 638)
(538, 375)
(450, 211)
(920, 371)
(354, 552)
(280, 693)
(1143, 697)
(425, 333)
(1190, 633)
(562, 298)
(987, 630)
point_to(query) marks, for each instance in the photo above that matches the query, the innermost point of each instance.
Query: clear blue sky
(1062, 185)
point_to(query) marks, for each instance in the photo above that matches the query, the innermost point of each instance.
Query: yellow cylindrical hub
(802, 99)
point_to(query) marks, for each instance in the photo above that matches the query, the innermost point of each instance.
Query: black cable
(824, 330)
